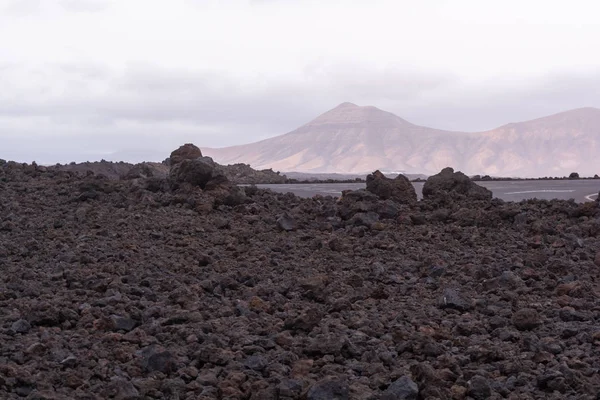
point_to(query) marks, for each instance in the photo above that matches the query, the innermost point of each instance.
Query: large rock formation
(188, 151)
(454, 185)
(398, 189)
(197, 172)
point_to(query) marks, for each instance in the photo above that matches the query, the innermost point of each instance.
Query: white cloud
(232, 71)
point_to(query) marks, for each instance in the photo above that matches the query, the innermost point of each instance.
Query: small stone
(69, 362)
(452, 298)
(256, 363)
(257, 304)
(122, 323)
(458, 392)
(526, 319)
(287, 223)
(163, 362)
(36, 349)
(402, 389)
(329, 389)
(597, 259)
(122, 389)
(479, 388)
(20, 326)
(291, 388)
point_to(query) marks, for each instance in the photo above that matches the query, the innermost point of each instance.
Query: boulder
(197, 172)
(186, 152)
(398, 189)
(146, 170)
(453, 185)
(355, 201)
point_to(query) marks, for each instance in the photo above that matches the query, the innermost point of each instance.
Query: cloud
(79, 111)
(20, 8)
(85, 5)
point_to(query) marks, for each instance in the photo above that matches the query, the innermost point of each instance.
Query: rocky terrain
(237, 173)
(188, 287)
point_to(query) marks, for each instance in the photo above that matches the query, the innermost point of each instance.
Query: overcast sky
(87, 79)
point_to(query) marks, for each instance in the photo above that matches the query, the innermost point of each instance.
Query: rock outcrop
(455, 186)
(398, 189)
(197, 172)
(187, 151)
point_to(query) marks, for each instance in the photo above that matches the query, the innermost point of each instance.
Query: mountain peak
(346, 104)
(350, 113)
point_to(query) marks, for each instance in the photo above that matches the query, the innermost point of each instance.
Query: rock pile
(454, 186)
(236, 173)
(398, 189)
(141, 289)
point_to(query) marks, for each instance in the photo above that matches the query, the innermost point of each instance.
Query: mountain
(351, 139)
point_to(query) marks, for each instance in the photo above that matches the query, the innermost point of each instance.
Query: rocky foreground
(188, 287)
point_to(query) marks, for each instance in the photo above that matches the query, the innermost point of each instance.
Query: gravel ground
(136, 290)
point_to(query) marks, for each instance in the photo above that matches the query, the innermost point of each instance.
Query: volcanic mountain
(352, 139)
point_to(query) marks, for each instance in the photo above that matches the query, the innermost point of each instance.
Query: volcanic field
(190, 287)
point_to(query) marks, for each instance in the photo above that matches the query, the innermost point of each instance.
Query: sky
(133, 79)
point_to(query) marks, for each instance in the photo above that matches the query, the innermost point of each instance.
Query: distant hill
(351, 139)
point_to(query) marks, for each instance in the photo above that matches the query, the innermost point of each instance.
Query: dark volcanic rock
(526, 319)
(287, 223)
(479, 388)
(329, 389)
(454, 184)
(452, 298)
(157, 289)
(186, 152)
(20, 326)
(398, 189)
(402, 389)
(197, 172)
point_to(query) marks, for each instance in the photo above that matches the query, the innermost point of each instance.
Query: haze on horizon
(131, 80)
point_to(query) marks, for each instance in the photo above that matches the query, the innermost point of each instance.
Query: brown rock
(452, 184)
(597, 259)
(186, 152)
(526, 319)
(398, 189)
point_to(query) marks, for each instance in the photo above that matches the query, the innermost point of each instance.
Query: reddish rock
(187, 151)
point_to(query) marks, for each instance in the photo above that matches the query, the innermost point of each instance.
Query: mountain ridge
(359, 139)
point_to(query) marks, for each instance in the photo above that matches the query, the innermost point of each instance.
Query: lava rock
(20, 326)
(329, 389)
(287, 223)
(526, 319)
(452, 298)
(398, 189)
(197, 172)
(186, 152)
(403, 388)
(479, 388)
(454, 184)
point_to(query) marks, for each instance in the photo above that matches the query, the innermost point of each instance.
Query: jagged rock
(20, 326)
(452, 298)
(186, 152)
(526, 319)
(453, 185)
(329, 389)
(479, 388)
(398, 189)
(287, 223)
(198, 172)
(403, 388)
(355, 201)
(146, 170)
